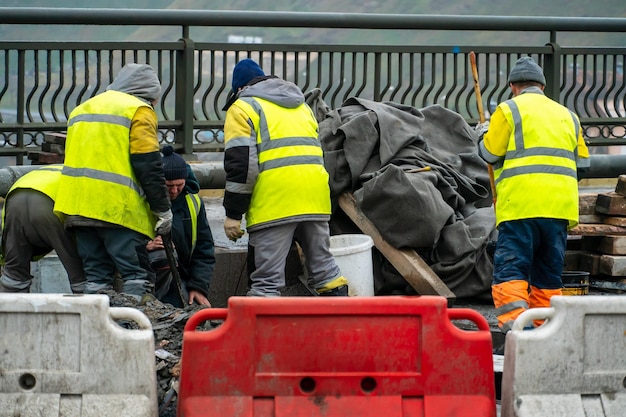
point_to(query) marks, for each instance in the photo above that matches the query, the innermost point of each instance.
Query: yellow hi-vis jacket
(44, 179)
(292, 182)
(534, 144)
(97, 162)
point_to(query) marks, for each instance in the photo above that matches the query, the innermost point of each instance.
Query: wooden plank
(406, 261)
(611, 203)
(46, 157)
(55, 137)
(613, 265)
(613, 245)
(587, 203)
(60, 149)
(572, 260)
(620, 188)
(590, 219)
(615, 221)
(589, 262)
(597, 230)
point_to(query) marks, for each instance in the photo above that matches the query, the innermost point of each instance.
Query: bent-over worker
(31, 230)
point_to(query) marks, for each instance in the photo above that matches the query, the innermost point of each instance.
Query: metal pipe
(210, 175)
(606, 166)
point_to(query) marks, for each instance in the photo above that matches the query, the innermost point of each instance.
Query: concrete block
(49, 275)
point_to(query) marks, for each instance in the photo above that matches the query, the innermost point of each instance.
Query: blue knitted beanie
(244, 72)
(174, 165)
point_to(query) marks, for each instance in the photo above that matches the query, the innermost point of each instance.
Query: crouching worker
(275, 175)
(191, 235)
(31, 230)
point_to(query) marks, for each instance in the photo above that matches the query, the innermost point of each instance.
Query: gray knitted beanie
(526, 69)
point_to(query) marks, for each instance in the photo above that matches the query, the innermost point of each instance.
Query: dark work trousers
(31, 230)
(532, 250)
(107, 249)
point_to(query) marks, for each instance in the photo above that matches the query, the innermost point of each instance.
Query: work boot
(341, 291)
(147, 298)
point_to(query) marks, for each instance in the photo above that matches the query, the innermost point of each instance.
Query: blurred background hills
(546, 8)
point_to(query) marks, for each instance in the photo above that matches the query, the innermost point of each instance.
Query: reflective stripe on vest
(193, 204)
(521, 151)
(540, 157)
(97, 164)
(292, 179)
(44, 179)
(266, 144)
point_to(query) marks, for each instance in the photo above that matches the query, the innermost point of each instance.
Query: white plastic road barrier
(574, 365)
(63, 355)
(353, 255)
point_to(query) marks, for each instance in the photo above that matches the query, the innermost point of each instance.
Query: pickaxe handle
(169, 252)
(481, 117)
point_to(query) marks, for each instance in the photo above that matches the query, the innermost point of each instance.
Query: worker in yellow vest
(191, 235)
(275, 175)
(536, 147)
(31, 230)
(112, 190)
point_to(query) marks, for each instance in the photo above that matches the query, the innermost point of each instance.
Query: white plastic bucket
(353, 255)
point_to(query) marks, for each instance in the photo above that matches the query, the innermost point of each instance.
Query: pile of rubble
(168, 323)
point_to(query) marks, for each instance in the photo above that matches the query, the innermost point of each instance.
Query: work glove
(481, 128)
(232, 228)
(164, 222)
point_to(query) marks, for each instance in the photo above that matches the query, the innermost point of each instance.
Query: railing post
(184, 93)
(377, 77)
(21, 105)
(552, 69)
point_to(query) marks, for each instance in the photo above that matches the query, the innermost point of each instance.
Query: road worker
(31, 230)
(191, 235)
(275, 175)
(535, 146)
(112, 190)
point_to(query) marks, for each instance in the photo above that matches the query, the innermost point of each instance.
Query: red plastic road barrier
(337, 357)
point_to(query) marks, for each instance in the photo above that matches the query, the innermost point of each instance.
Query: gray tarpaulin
(443, 211)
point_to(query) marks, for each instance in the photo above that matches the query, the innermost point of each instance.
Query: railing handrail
(186, 17)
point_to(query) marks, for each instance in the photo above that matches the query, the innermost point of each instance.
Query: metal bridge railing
(43, 81)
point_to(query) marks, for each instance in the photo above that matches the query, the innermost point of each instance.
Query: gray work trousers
(271, 248)
(30, 230)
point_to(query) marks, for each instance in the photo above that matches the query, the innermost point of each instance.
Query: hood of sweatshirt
(278, 91)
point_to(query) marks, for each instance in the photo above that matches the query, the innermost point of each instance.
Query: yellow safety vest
(98, 181)
(292, 179)
(537, 177)
(44, 179)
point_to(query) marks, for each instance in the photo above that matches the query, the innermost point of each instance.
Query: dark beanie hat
(526, 69)
(174, 165)
(245, 71)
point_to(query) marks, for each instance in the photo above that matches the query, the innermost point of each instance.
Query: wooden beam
(407, 261)
(597, 230)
